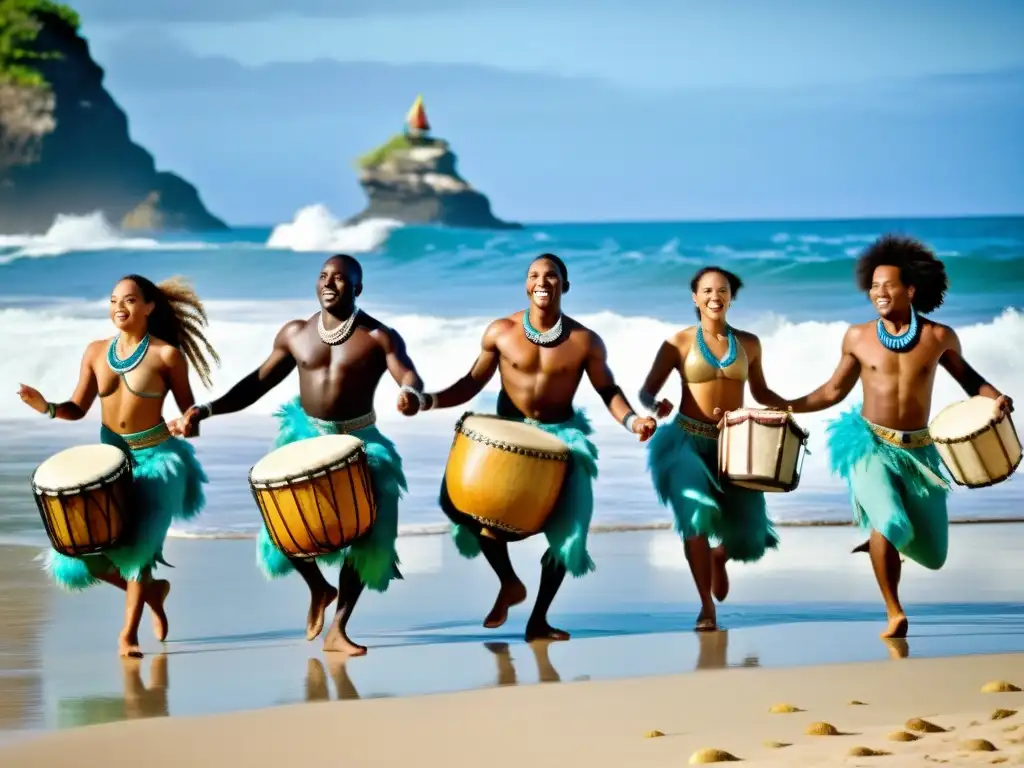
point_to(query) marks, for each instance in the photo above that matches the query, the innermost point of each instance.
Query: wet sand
(658, 721)
(237, 642)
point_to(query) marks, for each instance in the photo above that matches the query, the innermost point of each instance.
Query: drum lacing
(501, 445)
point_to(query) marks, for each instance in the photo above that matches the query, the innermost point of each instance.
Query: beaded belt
(919, 438)
(698, 428)
(346, 427)
(149, 438)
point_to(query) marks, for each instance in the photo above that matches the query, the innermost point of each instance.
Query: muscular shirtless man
(341, 354)
(884, 451)
(541, 356)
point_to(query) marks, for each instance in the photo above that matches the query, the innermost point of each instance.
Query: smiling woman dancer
(714, 361)
(159, 334)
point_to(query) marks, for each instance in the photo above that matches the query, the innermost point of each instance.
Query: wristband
(205, 411)
(51, 410)
(647, 401)
(417, 394)
(430, 400)
(628, 421)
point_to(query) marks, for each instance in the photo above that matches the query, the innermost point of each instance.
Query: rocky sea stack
(412, 178)
(64, 142)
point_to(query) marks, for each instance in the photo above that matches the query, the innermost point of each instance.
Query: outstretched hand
(644, 427)
(663, 409)
(407, 404)
(185, 425)
(32, 398)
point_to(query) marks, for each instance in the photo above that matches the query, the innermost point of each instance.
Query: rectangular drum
(84, 495)
(503, 475)
(761, 449)
(977, 442)
(315, 496)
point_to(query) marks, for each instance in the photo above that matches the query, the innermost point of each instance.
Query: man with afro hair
(883, 449)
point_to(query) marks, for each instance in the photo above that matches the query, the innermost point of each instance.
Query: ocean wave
(89, 233)
(315, 228)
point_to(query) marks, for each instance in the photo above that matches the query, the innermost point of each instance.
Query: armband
(205, 410)
(628, 421)
(51, 410)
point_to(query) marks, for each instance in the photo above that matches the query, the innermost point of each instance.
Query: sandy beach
(659, 721)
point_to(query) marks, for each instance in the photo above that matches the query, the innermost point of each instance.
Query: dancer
(718, 521)
(541, 356)
(159, 335)
(883, 449)
(341, 354)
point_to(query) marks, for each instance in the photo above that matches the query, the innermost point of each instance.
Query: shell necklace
(340, 334)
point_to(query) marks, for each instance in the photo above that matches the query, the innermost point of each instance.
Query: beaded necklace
(339, 334)
(730, 354)
(904, 341)
(541, 338)
(121, 366)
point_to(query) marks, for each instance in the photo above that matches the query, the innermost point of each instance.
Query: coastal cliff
(65, 145)
(412, 178)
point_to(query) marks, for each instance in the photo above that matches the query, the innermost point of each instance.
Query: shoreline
(654, 721)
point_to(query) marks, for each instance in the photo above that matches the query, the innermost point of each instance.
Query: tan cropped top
(697, 369)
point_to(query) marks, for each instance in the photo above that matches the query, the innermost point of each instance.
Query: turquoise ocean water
(439, 288)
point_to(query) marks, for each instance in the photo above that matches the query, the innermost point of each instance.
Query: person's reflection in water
(316, 680)
(713, 651)
(140, 701)
(898, 647)
(546, 671)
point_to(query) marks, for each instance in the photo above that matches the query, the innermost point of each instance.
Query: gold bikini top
(698, 370)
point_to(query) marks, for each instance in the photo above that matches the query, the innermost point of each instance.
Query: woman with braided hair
(159, 335)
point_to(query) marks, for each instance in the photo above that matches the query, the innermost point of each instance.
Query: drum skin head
(961, 419)
(515, 433)
(310, 455)
(78, 466)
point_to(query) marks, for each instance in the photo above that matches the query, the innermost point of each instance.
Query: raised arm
(603, 381)
(972, 382)
(254, 386)
(836, 388)
(82, 399)
(470, 385)
(755, 378)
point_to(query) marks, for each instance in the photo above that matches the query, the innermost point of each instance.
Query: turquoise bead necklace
(904, 341)
(541, 338)
(730, 355)
(121, 366)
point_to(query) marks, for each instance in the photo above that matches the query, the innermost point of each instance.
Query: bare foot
(157, 591)
(707, 621)
(897, 626)
(338, 642)
(508, 596)
(128, 647)
(719, 576)
(541, 630)
(898, 647)
(865, 547)
(318, 605)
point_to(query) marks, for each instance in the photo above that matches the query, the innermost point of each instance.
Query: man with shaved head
(341, 354)
(541, 356)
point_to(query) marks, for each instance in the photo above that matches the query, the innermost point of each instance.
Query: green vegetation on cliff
(397, 143)
(20, 24)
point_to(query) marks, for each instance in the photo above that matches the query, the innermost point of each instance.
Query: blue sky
(574, 110)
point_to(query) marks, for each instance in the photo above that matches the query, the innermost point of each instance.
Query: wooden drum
(504, 476)
(316, 495)
(977, 442)
(761, 449)
(83, 495)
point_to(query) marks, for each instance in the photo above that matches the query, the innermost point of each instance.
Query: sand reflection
(136, 702)
(546, 671)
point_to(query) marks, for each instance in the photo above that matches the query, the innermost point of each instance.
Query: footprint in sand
(704, 756)
(923, 726)
(902, 736)
(855, 703)
(783, 709)
(978, 745)
(867, 752)
(999, 686)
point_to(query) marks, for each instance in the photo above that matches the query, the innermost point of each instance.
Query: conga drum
(761, 449)
(316, 495)
(976, 441)
(503, 476)
(84, 495)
